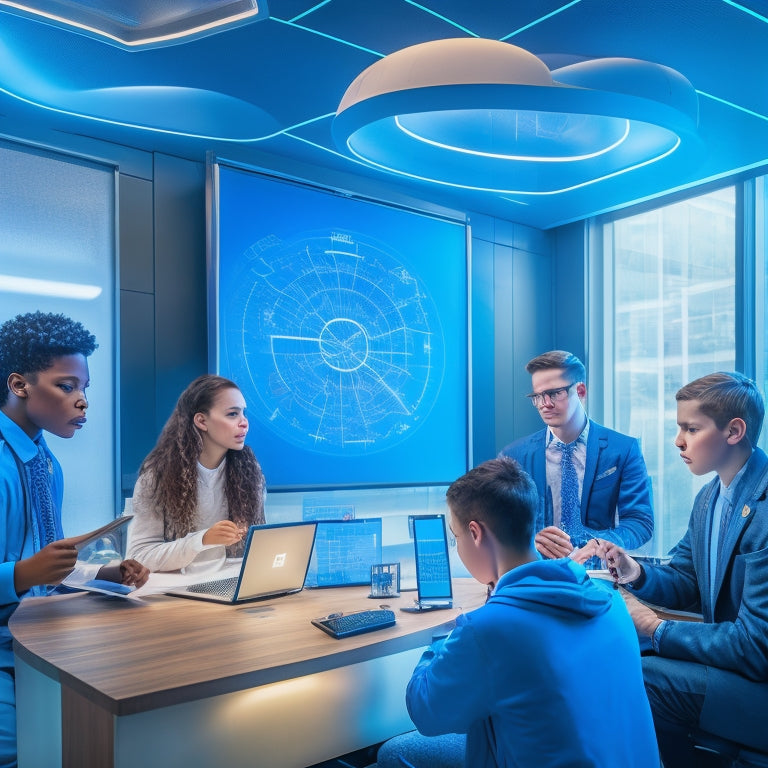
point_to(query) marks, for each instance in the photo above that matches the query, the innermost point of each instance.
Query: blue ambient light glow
(557, 144)
(532, 192)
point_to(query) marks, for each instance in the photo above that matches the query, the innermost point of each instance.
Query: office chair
(731, 753)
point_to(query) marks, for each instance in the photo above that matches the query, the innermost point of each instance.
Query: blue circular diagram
(341, 343)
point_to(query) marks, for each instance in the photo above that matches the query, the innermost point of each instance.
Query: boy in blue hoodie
(513, 675)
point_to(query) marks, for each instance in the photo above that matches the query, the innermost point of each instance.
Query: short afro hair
(30, 343)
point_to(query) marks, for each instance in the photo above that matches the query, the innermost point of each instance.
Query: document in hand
(84, 539)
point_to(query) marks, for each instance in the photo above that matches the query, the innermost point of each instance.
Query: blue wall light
(487, 115)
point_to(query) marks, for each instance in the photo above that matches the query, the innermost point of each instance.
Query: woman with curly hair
(201, 486)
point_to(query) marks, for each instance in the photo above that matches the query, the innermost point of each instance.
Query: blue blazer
(734, 633)
(616, 493)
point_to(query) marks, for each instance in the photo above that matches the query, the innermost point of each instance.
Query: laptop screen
(433, 571)
(275, 559)
(344, 552)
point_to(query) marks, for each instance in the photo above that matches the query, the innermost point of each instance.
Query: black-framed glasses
(549, 396)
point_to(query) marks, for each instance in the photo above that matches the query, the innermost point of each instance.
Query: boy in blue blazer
(711, 675)
(609, 494)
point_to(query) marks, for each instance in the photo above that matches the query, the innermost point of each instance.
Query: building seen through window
(671, 310)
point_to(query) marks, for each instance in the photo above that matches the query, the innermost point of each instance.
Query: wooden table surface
(129, 656)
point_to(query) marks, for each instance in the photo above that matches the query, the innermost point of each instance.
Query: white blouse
(145, 533)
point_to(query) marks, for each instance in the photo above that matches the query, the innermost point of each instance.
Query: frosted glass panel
(673, 320)
(57, 254)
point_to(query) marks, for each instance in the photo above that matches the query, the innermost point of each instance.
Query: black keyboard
(348, 624)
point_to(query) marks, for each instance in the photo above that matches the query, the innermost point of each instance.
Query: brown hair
(500, 494)
(573, 369)
(725, 396)
(173, 465)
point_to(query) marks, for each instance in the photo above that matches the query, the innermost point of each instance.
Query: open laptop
(433, 569)
(275, 563)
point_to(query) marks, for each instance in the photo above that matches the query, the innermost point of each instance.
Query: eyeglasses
(549, 396)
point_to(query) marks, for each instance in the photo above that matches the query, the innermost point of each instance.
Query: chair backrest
(742, 757)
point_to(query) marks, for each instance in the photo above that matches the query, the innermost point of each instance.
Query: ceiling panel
(272, 86)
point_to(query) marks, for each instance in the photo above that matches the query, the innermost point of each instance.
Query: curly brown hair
(172, 464)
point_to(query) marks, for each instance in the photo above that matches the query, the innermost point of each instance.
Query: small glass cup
(385, 580)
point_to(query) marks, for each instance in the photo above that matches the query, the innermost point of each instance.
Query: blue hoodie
(547, 673)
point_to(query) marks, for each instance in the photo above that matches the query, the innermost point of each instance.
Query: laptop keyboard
(348, 624)
(219, 587)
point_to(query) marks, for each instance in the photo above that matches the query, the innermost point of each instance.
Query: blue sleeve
(740, 645)
(450, 689)
(675, 585)
(633, 505)
(11, 525)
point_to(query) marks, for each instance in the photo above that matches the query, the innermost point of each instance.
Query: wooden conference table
(167, 681)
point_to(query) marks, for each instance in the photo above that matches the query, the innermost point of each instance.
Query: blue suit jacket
(616, 493)
(734, 634)
(732, 641)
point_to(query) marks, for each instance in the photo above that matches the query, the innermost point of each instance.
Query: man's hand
(224, 532)
(552, 543)
(51, 565)
(644, 618)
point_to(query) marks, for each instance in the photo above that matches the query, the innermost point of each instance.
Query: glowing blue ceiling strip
(165, 131)
(518, 191)
(744, 9)
(310, 10)
(441, 17)
(539, 20)
(732, 105)
(327, 149)
(328, 37)
(521, 158)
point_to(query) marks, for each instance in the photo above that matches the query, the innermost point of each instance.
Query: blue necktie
(570, 508)
(43, 515)
(725, 520)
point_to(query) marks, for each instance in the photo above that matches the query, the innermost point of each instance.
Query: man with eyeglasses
(592, 481)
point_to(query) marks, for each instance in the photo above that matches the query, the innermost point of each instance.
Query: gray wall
(162, 299)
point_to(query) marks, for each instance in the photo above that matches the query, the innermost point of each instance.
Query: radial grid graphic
(341, 341)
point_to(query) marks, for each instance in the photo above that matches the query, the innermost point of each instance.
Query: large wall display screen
(344, 322)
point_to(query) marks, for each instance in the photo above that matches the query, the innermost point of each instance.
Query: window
(57, 254)
(761, 295)
(670, 287)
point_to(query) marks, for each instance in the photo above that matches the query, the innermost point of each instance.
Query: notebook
(433, 570)
(344, 552)
(275, 563)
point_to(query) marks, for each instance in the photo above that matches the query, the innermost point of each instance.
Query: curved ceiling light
(487, 115)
